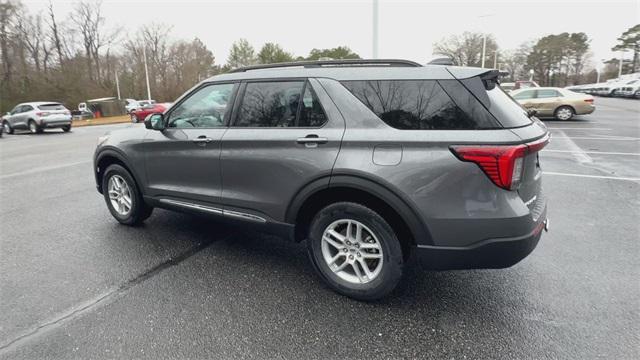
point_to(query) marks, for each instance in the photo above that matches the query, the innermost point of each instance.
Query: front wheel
(564, 113)
(134, 118)
(66, 128)
(7, 128)
(122, 196)
(355, 251)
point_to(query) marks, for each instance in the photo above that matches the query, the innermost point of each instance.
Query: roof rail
(331, 63)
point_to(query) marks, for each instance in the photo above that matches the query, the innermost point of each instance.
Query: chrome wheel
(32, 127)
(7, 128)
(120, 195)
(352, 251)
(564, 113)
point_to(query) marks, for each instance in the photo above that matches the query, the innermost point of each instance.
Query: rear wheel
(34, 128)
(66, 128)
(7, 127)
(355, 251)
(564, 113)
(122, 196)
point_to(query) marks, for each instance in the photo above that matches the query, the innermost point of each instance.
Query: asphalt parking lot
(75, 284)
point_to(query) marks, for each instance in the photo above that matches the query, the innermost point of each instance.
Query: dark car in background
(369, 161)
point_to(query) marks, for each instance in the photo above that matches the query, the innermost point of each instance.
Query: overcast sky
(407, 28)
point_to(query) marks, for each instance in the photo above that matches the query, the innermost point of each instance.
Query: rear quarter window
(423, 104)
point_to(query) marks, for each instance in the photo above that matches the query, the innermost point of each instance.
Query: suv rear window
(423, 104)
(51, 106)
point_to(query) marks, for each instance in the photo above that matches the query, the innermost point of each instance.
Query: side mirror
(154, 122)
(532, 112)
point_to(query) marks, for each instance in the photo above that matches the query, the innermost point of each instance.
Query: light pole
(495, 59)
(531, 75)
(484, 40)
(620, 64)
(117, 84)
(146, 71)
(375, 29)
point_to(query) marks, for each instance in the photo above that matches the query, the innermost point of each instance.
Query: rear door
(285, 134)
(183, 160)
(547, 100)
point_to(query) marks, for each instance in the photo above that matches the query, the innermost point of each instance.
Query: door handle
(312, 140)
(202, 140)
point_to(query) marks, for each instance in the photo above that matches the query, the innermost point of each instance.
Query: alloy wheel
(352, 251)
(120, 195)
(564, 114)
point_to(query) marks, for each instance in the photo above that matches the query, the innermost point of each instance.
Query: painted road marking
(582, 128)
(592, 176)
(594, 152)
(44, 168)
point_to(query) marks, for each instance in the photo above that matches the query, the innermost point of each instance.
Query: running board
(213, 210)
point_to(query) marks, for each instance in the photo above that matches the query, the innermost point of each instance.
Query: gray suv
(373, 162)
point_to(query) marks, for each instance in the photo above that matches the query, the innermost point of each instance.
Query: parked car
(630, 91)
(37, 116)
(371, 161)
(551, 102)
(130, 105)
(141, 113)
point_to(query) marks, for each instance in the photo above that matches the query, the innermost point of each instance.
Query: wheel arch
(109, 157)
(402, 216)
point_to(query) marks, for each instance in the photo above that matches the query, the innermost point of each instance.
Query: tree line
(78, 58)
(556, 60)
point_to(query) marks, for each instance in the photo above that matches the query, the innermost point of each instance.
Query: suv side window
(422, 104)
(206, 108)
(278, 104)
(547, 93)
(26, 108)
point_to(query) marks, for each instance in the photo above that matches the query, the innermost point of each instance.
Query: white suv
(37, 116)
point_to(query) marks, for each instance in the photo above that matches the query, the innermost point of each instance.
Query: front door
(285, 134)
(183, 160)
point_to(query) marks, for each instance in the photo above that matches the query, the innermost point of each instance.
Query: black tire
(7, 127)
(392, 259)
(140, 211)
(34, 128)
(66, 128)
(564, 108)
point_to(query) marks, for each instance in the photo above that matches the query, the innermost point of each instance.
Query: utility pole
(146, 71)
(597, 76)
(117, 84)
(495, 59)
(375, 29)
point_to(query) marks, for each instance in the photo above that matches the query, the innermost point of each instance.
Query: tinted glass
(422, 104)
(26, 108)
(207, 107)
(270, 104)
(524, 95)
(51, 106)
(547, 93)
(311, 113)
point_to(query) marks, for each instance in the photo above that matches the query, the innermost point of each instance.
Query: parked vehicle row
(628, 88)
(371, 161)
(147, 108)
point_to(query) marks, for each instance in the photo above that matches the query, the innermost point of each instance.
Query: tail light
(590, 101)
(42, 113)
(503, 164)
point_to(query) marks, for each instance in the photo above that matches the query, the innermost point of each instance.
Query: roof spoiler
(490, 79)
(446, 61)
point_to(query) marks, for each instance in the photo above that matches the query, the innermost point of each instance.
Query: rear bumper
(54, 123)
(487, 254)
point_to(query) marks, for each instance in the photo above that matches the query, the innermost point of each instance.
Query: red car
(140, 114)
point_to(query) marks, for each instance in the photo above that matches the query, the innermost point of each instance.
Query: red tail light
(41, 113)
(589, 101)
(503, 164)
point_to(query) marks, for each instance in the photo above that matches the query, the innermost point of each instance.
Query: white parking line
(580, 128)
(594, 138)
(593, 152)
(44, 168)
(592, 176)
